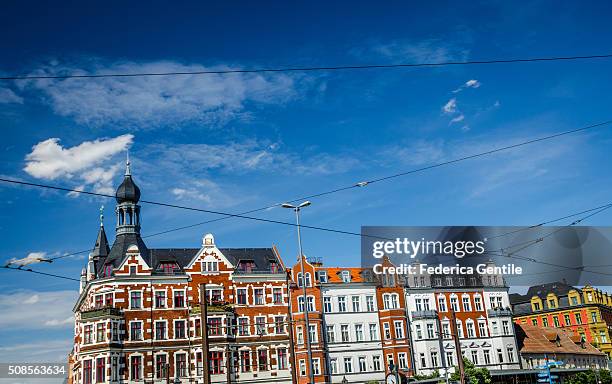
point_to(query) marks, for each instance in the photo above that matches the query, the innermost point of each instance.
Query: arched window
(299, 279)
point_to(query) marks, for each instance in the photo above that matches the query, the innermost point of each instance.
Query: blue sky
(238, 142)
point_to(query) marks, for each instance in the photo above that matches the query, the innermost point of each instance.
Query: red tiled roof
(535, 339)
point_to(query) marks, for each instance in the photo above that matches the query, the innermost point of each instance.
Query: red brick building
(138, 315)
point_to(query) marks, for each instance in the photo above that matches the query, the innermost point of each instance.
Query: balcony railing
(425, 314)
(101, 313)
(499, 312)
(219, 306)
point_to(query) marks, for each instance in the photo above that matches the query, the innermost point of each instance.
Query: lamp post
(296, 209)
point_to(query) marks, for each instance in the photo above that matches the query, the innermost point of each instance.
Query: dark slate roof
(559, 288)
(101, 249)
(127, 191)
(262, 257)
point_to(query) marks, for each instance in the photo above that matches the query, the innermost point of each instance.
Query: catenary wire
(309, 69)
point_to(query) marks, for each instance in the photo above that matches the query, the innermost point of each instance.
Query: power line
(412, 171)
(356, 185)
(310, 69)
(41, 273)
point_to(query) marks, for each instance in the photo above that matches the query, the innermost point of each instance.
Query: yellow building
(585, 311)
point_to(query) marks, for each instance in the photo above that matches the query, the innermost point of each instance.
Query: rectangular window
(545, 321)
(418, 331)
(108, 300)
(402, 360)
(358, 332)
(327, 305)
(578, 318)
(430, 331)
(466, 304)
(333, 366)
(370, 304)
(243, 326)
(362, 364)
(99, 299)
(210, 266)
(260, 325)
(302, 368)
(399, 329)
(160, 299)
(179, 329)
(356, 300)
(500, 356)
(373, 332)
(87, 334)
(442, 303)
(100, 370)
(262, 360)
(160, 366)
(449, 359)
(214, 326)
(341, 304)
(482, 329)
(136, 330)
(215, 295)
(348, 365)
(179, 299)
(434, 358)
(181, 364)
(136, 367)
(215, 362)
(423, 360)
(474, 357)
(454, 304)
(245, 361)
(279, 325)
(471, 333)
(330, 333)
(376, 363)
(87, 372)
(115, 368)
(300, 334)
(322, 276)
(510, 351)
(281, 358)
(135, 299)
(311, 306)
(566, 319)
(478, 303)
(487, 356)
(506, 326)
(100, 333)
(133, 269)
(387, 330)
(312, 330)
(316, 367)
(160, 330)
(344, 333)
(242, 296)
(258, 294)
(277, 295)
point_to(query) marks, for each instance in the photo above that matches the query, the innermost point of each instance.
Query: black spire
(101, 249)
(128, 191)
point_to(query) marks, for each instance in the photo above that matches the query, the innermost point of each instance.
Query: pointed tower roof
(128, 191)
(101, 249)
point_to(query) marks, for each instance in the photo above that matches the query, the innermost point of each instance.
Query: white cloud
(35, 310)
(7, 96)
(47, 351)
(89, 162)
(457, 119)
(450, 106)
(472, 83)
(156, 101)
(424, 51)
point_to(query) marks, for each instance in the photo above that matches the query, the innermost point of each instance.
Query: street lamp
(344, 380)
(296, 209)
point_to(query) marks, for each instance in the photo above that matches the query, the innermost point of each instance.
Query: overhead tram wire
(309, 69)
(41, 273)
(406, 173)
(320, 194)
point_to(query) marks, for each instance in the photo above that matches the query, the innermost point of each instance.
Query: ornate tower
(128, 210)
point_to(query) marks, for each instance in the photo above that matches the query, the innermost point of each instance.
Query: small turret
(83, 282)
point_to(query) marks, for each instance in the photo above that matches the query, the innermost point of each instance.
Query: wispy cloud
(450, 107)
(433, 50)
(36, 309)
(7, 96)
(89, 163)
(156, 101)
(473, 83)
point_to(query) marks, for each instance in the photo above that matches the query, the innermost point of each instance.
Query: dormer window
(167, 268)
(246, 266)
(273, 267)
(321, 276)
(346, 276)
(108, 270)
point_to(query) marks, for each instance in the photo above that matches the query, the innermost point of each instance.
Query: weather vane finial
(128, 172)
(102, 215)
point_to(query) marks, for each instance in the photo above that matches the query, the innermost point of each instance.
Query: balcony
(215, 307)
(499, 312)
(426, 314)
(100, 313)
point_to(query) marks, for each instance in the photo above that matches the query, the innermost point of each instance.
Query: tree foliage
(591, 377)
(473, 375)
